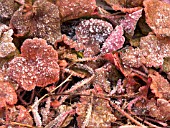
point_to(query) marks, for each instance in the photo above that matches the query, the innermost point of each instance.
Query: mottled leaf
(38, 20)
(37, 65)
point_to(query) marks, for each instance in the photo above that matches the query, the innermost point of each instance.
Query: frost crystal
(151, 52)
(157, 16)
(72, 9)
(115, 40)
(37, 65)
(42, 20)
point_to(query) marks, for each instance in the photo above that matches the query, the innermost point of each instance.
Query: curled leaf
(73, 9)
(37, 65)
(157, 17)
(38, 20)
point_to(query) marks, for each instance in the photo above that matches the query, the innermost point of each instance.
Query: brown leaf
(38, 20)
(157, 17)
(125, 5)
(151, 52)
(73, 9)
(6, 9)
(159, 85)
(7, 94)
(37, 65)
(101, 114)
(159, 109)
(19, 114)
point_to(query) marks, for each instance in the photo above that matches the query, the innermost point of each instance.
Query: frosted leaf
(93, 31)
(157, 16)
(115, 40)
(6, 9)
(159, 85)
(42, 20)
(7, 94)
(6, 45)
(19, 114)
(125, 6)
(73, 9)
(130, 20)
(159, 109)
(101, 114)
(37, 65)
(151, 52)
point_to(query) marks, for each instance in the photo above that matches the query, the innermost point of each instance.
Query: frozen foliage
(72, 9)
(7, 94)
(159, 85)
(157, 16)
(159, 109)
(125, 5)
(91, 33)
(19, 114)
(130, 20)
(37, 65)
(6, 9)
(151, 52)
(39, 20)
(101, 114)
(6, 45)
(115, 40)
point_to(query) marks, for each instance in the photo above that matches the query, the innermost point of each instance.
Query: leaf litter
(97, 63)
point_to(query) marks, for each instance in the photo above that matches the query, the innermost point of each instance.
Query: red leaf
(115, 40)
(157, 16)
(73, 9)
(37, 65)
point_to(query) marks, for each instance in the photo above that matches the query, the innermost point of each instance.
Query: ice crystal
(42, 20)
(115, 40)
(157, 16)
(37, 65)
